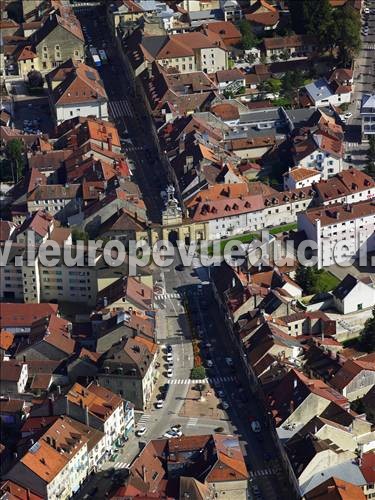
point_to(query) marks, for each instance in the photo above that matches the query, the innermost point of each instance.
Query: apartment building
(320, 152)
(228, 215)
(59, 39)
(368, 116)
(102, 409)
(128, 369)
(294, 47)
(182, 53)
(75, 89)
(56, 465)
(339, 231)
(13, 377)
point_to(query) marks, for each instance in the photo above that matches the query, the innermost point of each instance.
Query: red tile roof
(24, 315)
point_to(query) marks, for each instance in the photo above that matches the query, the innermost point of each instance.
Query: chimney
(144, 470)
(86, 415)
(109, 142)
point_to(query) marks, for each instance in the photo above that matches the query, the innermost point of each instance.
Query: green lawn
(286, 227)
(248, 237)
(326, 281)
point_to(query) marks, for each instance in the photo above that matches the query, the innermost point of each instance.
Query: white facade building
(340, 232)
(368, 116)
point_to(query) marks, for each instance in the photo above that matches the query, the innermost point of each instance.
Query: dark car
(164, 389)
(169, 348)
(179, 267)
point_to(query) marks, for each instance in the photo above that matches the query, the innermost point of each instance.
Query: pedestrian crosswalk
(144, 419)
(214, 380)
(270, 471)
(120, 108)
(167, 296)
(122, 465)
(192, 422)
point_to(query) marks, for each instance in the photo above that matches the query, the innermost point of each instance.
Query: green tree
(367, 337)
(198, 373)
(15, 155)
(307, 278)
(291, 82)
(249, 40)
(347, 23)
(370, 165)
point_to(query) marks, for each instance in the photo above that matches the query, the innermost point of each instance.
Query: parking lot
(33, 115)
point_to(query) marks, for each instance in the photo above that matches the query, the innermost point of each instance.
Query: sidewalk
(194, 407)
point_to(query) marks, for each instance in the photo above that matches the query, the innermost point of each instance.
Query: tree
(291, 82)
(198, 373)
(307, 278)
(15, 155)
(249, 40)
(347, 23)
(367, 337)
(35, 79)
(370, 165)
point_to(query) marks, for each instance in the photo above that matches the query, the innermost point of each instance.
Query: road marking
(264, 472)
(167, 296)
(144, 418)
(122, 465)
(214, 380)
(192, 422)
(120, 108)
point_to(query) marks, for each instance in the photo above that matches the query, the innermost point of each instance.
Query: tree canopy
(370, 164)
(249, 40)
(15, 155)
(367, 337)
(332, 28)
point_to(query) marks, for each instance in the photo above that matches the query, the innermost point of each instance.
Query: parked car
(169, 356)
(140, 431)
(225, 405)
(169, 348)
(255, 426)
(210, 363)
(169, 373)
(159, 403)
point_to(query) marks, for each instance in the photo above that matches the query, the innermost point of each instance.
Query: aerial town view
(187, 249)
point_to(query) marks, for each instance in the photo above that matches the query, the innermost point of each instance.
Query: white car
(159, 403)
(140, 431)
(348, 115)
(169, 356)
(210, 363)
(221, 394)
(225, 405)
(176, 428)
(366, 10)
(172, 434)
(255, 426)
(169, 373)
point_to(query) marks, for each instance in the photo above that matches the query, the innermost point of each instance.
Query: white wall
(66, 112)
(362, 295)
(325, 163)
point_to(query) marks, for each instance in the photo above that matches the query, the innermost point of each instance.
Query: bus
(103, 56)
(95, 57)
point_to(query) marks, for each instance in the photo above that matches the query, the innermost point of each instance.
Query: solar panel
(35, 447)
(90, 75)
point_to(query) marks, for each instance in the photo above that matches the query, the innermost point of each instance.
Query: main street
(364, 83)
(179, 286)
